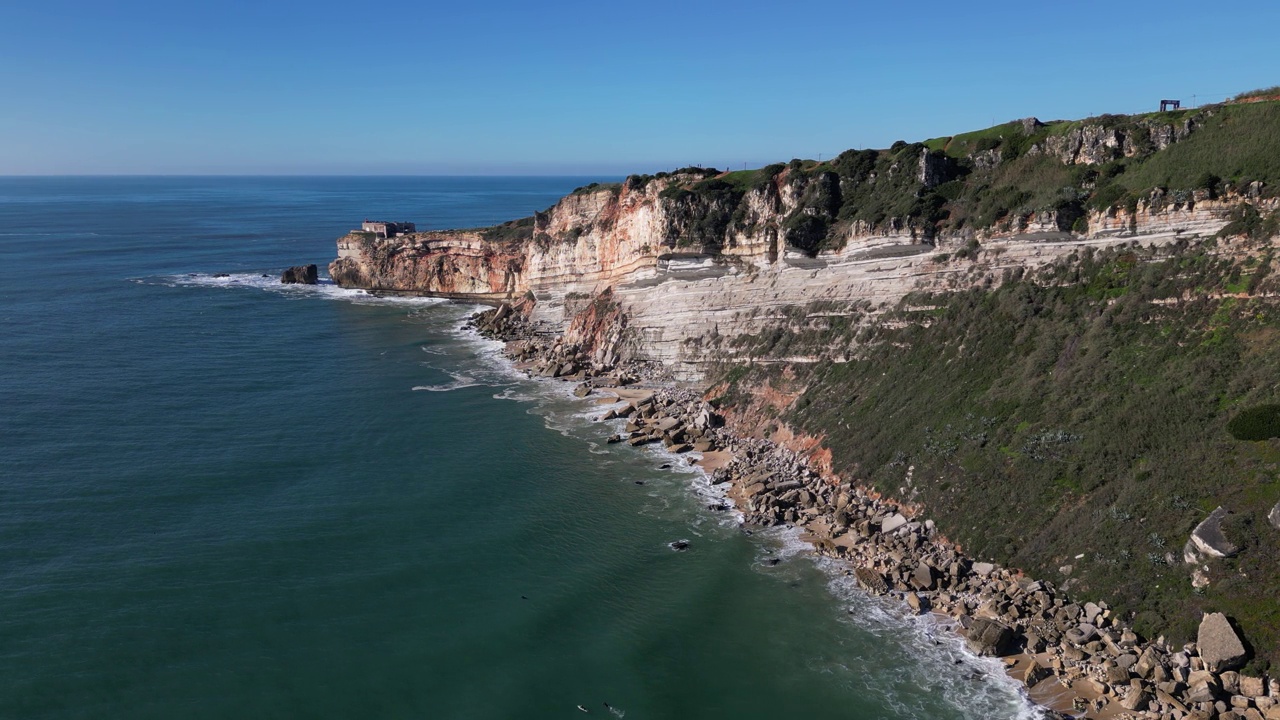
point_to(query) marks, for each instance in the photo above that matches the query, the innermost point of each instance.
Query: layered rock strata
(676, 296)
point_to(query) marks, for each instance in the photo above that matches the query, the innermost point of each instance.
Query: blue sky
(579, 87)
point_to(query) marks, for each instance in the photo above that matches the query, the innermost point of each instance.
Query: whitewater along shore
(1077, 659)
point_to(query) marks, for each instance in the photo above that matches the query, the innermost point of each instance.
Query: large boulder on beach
(989, 637)
(1219, 646)
(300, 275)
(871, 581)
(1034, 673)
(924, 576)
(891, 523)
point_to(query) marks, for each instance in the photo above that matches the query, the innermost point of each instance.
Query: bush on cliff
(1256, 423)
(999, 175)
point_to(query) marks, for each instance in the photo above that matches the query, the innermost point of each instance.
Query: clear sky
(601, 87)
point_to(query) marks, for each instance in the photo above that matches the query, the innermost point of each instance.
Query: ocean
(225, 498)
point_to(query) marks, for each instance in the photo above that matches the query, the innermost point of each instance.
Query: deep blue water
(221, 498)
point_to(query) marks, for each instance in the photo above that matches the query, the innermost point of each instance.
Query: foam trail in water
(324, 289)
(459, 381)
(932, 657)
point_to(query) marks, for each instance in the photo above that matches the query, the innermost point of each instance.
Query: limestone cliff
(687, 263)
(699, 254)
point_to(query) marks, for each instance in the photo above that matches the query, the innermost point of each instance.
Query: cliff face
(458, 264)
(699, 255)
(678, 290)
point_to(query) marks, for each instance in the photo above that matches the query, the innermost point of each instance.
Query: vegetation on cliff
(1004, 177)
(1077, 423)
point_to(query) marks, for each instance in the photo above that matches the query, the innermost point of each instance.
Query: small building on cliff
(385, 229)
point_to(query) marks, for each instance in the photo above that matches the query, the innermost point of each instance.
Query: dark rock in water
(300, 275)
(679, 545)
(772, 561)
(871, 581)
(665, 466)
(222, 275)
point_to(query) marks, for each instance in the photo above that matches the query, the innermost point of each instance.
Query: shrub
(1261, 422)
(1209, 181)
(1262, 92)
(1107, 196)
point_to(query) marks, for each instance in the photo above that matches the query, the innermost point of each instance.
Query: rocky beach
(1076, 657)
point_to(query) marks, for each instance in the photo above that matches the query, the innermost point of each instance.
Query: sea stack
(300, 275)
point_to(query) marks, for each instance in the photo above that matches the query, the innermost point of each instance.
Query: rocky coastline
(1076, 658)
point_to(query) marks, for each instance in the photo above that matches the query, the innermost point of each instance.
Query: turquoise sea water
(221, 498)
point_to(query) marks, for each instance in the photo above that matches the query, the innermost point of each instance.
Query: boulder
(1207, 539)
(1273, 517)
(1115, 674)
(871, 581)
(1252, 687)
(893, 522)
(1204, 691)
(982, 569)
(1081, 634)
(1147, 663)
(1136, 700)
(1091, 613)
(1219, 646)
(989, 637)
(667, 423)
(300, 275)
(1034, 673)
(923, 577)
(582, 390)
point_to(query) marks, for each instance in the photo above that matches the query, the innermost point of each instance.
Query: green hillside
(1075, 420)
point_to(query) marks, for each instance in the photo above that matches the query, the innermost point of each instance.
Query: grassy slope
(1076, 414)
(1240, 143)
